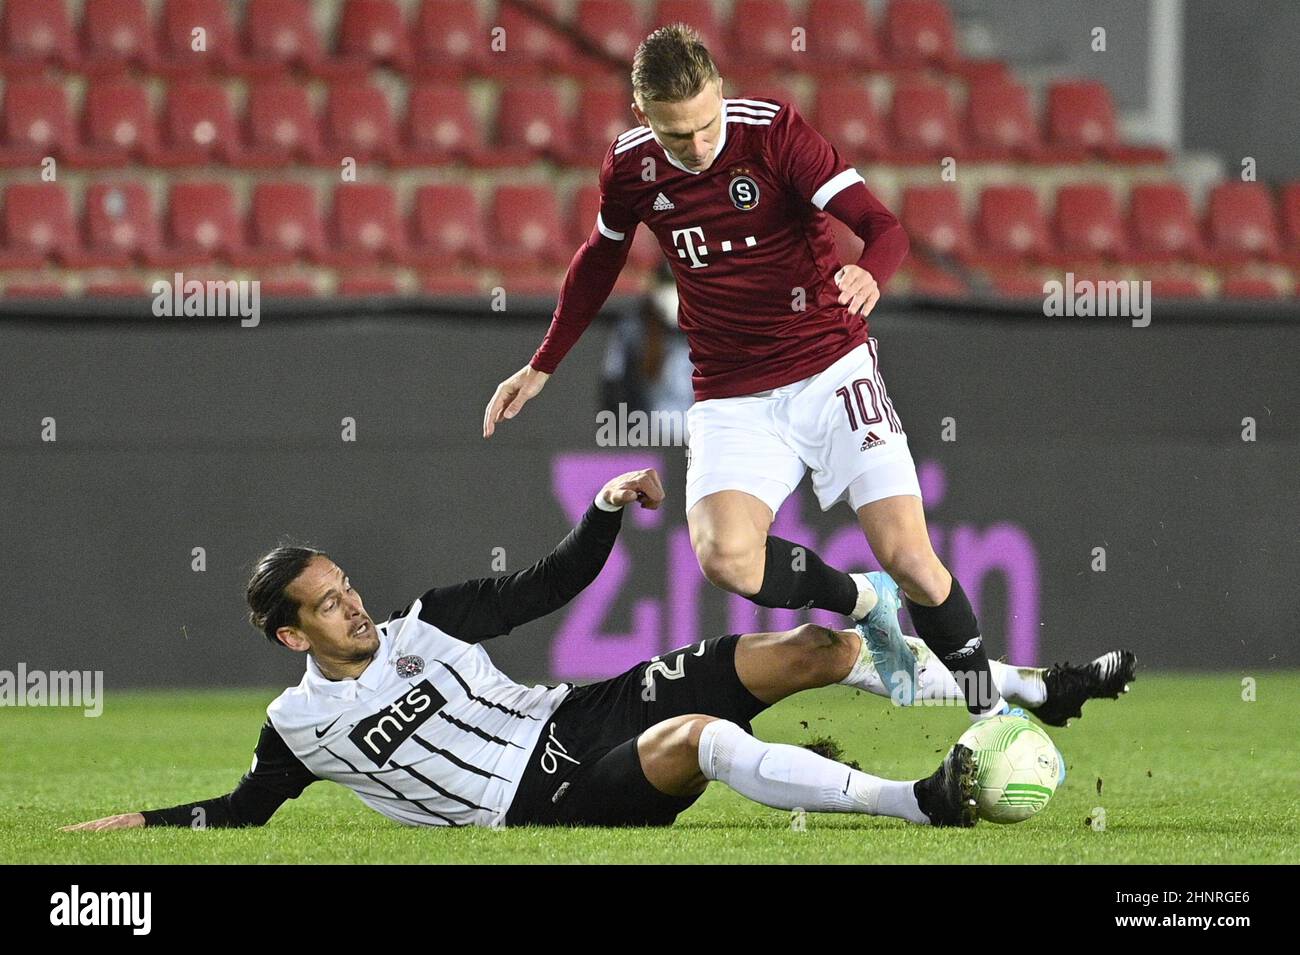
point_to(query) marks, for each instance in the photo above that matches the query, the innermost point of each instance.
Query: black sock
(794, 578)
(952, 633)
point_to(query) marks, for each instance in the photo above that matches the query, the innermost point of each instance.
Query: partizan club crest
(410, 665)
(742, 189)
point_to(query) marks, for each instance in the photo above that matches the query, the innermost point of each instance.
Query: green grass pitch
(1190, 773)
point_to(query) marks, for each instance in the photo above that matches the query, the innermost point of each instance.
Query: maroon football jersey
(749, 243)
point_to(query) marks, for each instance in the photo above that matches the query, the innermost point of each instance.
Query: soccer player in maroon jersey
(787, 379)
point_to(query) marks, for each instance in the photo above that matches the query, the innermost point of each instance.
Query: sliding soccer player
(412, 715)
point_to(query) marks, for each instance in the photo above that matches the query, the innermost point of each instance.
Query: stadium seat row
(279, 126)
(453, 37)
(1088, 225)
(285, 224)
(522, 225)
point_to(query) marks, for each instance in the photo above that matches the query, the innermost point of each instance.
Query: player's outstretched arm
(492, 606)
(590, 278)
(277, 775)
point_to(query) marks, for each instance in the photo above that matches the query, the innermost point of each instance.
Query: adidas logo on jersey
(662, 203)
(872, 440)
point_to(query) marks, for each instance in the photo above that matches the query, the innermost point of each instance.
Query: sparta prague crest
(742, 189)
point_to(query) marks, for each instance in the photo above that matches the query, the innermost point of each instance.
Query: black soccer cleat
(1068, 688)
(948, 797)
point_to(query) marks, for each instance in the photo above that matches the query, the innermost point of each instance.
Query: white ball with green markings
(1018, 767)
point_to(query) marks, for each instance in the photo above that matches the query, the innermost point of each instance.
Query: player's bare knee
(731, 566)
(918, 571)
(818, 653)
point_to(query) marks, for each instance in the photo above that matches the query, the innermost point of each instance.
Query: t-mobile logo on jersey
(686, 247)
(380, 735)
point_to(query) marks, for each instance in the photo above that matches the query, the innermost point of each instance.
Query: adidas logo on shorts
(872, 440)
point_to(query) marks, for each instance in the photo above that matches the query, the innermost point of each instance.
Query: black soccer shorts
(585, 770)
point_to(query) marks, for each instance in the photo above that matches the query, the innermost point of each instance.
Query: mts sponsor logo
(379, 736)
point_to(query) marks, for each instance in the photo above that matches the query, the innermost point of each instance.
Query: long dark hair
(269, 605)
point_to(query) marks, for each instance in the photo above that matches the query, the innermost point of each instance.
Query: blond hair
(671, 65)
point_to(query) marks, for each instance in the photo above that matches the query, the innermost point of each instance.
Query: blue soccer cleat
(892, 657)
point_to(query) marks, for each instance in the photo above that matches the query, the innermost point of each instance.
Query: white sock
(791, 777)
(867, 597)
(1021, 686)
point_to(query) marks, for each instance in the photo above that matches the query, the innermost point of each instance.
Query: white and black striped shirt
(431, 733)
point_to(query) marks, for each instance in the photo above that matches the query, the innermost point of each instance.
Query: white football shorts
(838, 423)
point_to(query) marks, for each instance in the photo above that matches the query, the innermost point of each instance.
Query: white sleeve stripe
(608, 232)
(834, 185)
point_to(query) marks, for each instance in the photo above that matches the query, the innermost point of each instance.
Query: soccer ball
(1018, 767)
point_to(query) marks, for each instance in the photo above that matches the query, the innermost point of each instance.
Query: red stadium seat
(584, 204)
(116, 286)
(180, 54)
(449, 39)
(531, 125)
(613, 25)
(603, 112)
(35, 288)
(284, 224)
(38, 227)
(117, 34)
(446, 226)
(1009, 227)
(365, 225)
(923, 123)
(367, 282)
(1000, 124)
(117, 124)
(841, 36)
(287, 286)
(920, 33)
(359, 123)
(1161, 222)
(542, 282)
(1289, 207)
(36, 33)
(934, 222)
(440, 126)
(1250, 287)
(450, 282)
(1018, 284)
(280, 125)
(372, 33)
(120, 225)
(1241, 223)
(701, 16)
(764, 86)
(199, 125)
(531, 47)
(1080, 115)
(846, 114)
(36, 123)
(280, 34)
(1176, 286)
(1088, 224)
(202, 222)
(525, 227)
(761, 38)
